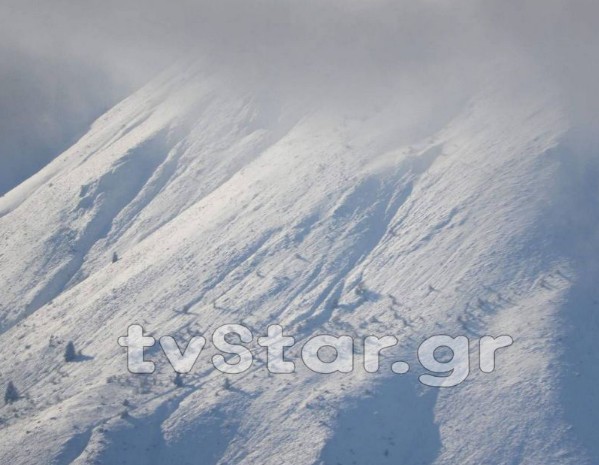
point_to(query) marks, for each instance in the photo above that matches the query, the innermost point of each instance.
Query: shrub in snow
(115, 257)
(179, 380)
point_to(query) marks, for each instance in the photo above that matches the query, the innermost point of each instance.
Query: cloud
(67, 60)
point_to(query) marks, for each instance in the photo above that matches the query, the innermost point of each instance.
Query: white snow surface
(244, 209)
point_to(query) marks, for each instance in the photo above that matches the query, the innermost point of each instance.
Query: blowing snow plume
(401, 195)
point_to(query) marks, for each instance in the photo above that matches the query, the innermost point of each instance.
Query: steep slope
(225, 207)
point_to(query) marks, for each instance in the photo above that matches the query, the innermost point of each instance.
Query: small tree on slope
(11, 395)
(70, 354)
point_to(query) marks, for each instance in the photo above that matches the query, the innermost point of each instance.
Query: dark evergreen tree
(12, 394)
(115, 257)
(70, 354)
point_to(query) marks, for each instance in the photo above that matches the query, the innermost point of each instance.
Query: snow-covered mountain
(226, 206)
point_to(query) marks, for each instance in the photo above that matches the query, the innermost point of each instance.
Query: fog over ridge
(65, 62)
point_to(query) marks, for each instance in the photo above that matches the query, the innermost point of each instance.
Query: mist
(63, 63)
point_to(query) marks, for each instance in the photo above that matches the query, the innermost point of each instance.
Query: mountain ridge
(223, 208)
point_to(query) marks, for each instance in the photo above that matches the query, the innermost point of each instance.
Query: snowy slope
(240, 209)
